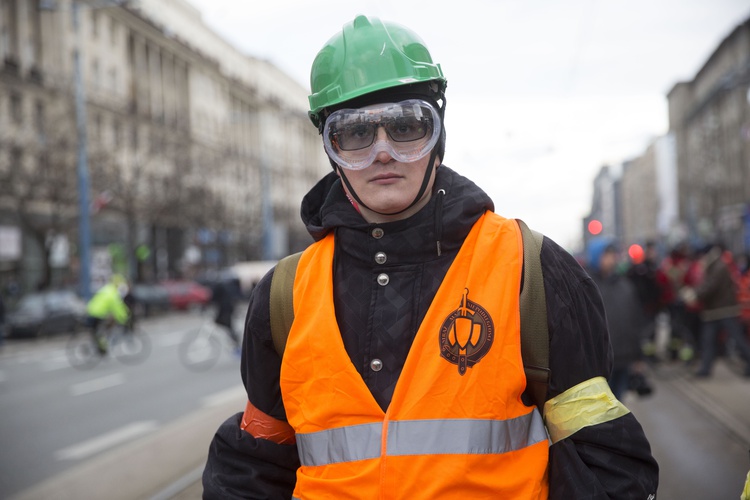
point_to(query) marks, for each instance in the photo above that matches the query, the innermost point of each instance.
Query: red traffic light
(595, 227)
(636, 253)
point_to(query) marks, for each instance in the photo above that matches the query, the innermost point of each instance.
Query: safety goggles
(352, 138)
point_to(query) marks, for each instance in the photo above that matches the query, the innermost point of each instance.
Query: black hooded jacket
(609, 460)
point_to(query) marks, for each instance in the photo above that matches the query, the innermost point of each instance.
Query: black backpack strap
(533, 305)
(282, 300)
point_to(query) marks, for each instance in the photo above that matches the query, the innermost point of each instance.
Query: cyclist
(106, 305)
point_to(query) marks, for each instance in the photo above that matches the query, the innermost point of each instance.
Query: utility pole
(84, 232)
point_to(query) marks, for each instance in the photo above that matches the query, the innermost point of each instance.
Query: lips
(386, 177)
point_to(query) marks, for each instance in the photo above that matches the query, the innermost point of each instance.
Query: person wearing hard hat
(402, 374)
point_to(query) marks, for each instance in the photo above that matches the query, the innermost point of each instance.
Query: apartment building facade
(692, 185)
(197, 155)
(710, 119)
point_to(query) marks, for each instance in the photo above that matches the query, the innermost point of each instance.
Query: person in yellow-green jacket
(107, 304)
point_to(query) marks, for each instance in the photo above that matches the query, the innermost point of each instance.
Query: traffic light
(636, 253)
(595, 227)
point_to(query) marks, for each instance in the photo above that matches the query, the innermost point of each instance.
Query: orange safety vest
(456, 426)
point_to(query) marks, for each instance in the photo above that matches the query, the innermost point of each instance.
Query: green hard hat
(366, 56)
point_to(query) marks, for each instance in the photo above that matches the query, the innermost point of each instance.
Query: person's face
(389, 186)
(608, 262)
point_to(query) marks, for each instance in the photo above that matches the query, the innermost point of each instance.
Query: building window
(113, 79)
(117, 134)
(16, 156)
(16, 108)
(94, 23)
(112, 31)
(97, 127)
(39, 118)
(95, 77)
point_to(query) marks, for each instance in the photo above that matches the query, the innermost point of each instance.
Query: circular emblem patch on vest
(467, 334)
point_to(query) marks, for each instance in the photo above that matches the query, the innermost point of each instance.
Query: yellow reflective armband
(746, 491)
(588, 403)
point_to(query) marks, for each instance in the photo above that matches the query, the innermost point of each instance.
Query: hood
(595, 249)
(326, 207)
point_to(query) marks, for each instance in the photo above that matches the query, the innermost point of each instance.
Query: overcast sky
(541, 93)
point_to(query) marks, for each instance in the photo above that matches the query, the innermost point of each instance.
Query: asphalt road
(699, 436)
(53, 417)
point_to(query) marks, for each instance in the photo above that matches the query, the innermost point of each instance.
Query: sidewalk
(724, 397)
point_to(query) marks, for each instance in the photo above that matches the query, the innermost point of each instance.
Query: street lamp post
(84, 233)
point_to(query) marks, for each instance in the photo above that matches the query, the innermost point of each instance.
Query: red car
(186, 294)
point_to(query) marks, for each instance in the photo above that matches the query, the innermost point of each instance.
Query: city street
(54, 417)
(699, 431)
(63, 426)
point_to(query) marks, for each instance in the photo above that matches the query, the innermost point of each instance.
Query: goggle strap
(422, 188)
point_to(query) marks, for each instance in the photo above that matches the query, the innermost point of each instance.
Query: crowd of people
(701, 293)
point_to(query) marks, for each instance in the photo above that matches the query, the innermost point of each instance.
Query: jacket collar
(326, 208)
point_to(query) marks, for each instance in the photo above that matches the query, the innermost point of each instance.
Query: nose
(382, 156)
(381, 134)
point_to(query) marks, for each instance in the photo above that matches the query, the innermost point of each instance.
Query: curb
(180, 486)
(145, 466)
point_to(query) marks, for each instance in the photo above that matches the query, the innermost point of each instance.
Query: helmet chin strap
(422, 189)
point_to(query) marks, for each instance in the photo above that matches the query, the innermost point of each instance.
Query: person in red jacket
(743, 293)
(720, 310)
(402, 375)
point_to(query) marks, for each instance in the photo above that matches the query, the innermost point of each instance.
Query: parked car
(46, 313)
(186, 294)
(148, 299)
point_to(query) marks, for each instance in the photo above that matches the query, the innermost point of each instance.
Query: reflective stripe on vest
(457, 404)
(421, 437)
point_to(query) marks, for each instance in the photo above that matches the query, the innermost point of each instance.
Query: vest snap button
(380, 257)
(376, 365)
(377, 233)
(383, 279)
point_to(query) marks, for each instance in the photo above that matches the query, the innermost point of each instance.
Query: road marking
(225, 396)
(100, 443)
(56, 362)
(97, 384)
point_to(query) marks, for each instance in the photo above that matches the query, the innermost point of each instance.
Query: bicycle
(201, 348)
(126, 343)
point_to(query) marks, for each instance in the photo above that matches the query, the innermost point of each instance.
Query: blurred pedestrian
(649, 280)
(626, 318)
(717, 293)
(652, 289)
(2, 320)
(682, 270)
(743, 293)
(224, 295)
